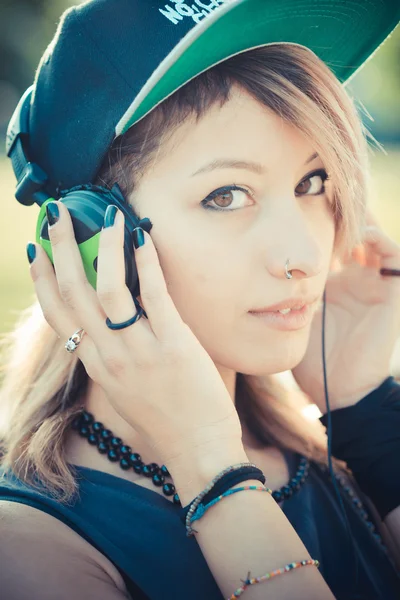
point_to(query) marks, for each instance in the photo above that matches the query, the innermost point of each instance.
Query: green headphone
(86, 203)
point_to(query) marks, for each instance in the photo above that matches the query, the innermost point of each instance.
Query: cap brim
(343, 33)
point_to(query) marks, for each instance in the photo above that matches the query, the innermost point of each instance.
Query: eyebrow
(239, 164)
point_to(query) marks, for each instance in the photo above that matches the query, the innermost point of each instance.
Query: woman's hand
(362, 325)
(155, 373)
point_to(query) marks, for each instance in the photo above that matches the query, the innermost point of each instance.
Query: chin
(284, 358)
(259, 369)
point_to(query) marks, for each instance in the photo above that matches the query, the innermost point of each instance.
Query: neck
(95, 402)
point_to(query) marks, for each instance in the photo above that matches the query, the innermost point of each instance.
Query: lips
(292, 303)
(286, 311)
(295, 319)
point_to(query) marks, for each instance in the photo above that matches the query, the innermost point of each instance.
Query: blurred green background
(26, 28)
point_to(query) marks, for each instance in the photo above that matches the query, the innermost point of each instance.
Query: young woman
(110, 434)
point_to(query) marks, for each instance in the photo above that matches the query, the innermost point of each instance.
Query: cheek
(202, 281)
(332, 237)
(325, 231)
(194, 282)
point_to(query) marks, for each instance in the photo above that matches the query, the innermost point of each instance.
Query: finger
(365, 256)
(112, 291)
(59, 317)
(358, 255)
(372, 259)
(163, 315)
(74, 288)
(384, 247)
(361, 254)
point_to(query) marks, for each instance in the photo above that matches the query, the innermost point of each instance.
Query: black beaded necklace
(97, 435)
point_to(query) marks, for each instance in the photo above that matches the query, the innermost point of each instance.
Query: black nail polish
(109, 217)
(138, 237)
(145, 224)
(31, 252)
(52, 212)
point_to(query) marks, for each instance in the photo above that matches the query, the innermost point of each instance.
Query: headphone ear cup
(87, 210)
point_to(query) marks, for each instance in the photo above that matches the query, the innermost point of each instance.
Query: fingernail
(52, 212)
(109, 217)
(138, 237)
(146, 224)
(31, 252)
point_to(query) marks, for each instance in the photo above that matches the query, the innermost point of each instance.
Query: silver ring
(74, 341)
(288, 273)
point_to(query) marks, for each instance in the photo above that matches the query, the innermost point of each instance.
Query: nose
(300, 271)
(298, 254)
(289, 231)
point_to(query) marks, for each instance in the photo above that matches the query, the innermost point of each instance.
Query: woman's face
(219, 265)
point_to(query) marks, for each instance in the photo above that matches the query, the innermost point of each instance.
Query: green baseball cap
(112, 61)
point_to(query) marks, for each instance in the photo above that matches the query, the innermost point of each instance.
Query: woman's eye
(225, 197)
(314, 189)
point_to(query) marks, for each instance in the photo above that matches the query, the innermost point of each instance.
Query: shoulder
(36, 548)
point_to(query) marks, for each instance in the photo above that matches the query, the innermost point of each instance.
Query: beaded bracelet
(226, 473)
(230, 476)
(201, 509)
(233, 477)
(288, 567)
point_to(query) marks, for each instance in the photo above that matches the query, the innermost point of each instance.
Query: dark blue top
(141, 532)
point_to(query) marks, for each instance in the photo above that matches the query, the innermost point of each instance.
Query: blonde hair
(43, 388)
